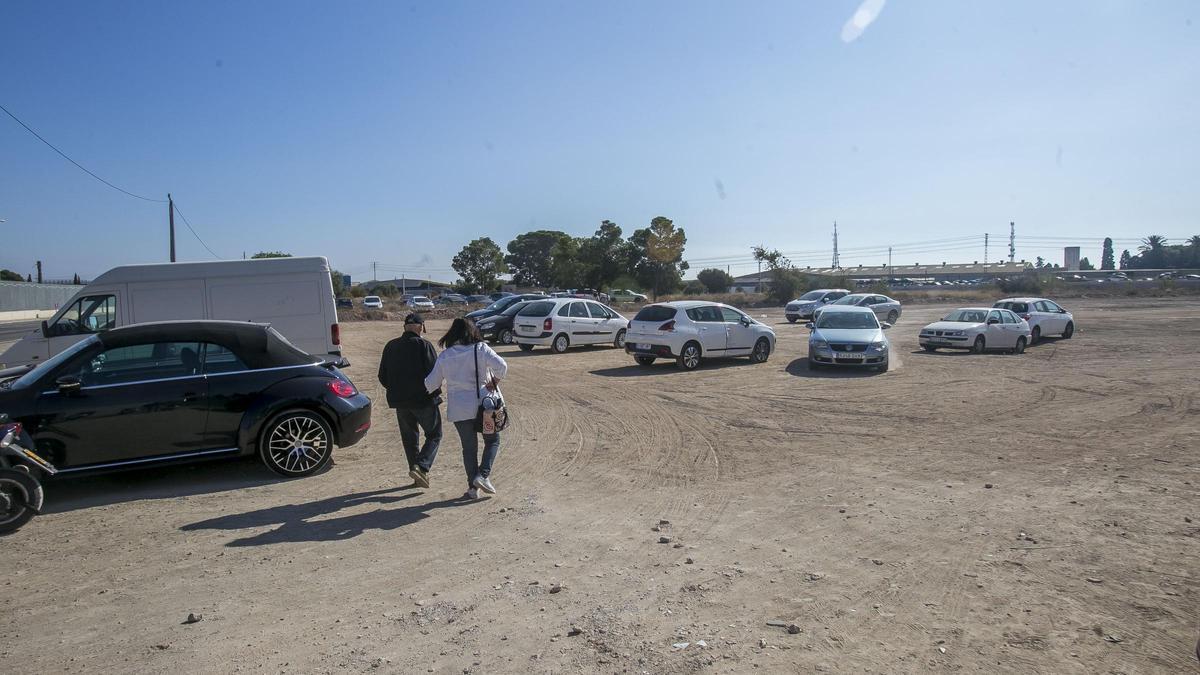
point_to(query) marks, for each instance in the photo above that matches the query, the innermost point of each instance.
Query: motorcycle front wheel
(20, 499)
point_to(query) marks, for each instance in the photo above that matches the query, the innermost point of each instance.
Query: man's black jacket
(402, 370)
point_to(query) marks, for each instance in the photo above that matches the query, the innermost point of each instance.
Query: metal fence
(15, 295)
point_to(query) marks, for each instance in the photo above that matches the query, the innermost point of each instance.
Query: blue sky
(396, 132)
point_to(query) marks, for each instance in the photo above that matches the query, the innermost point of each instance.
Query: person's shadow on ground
(296, 524)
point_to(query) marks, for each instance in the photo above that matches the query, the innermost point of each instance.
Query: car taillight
(668, 326)
(1025, 316)
(548, 324)
(335, 333)
(341, 388)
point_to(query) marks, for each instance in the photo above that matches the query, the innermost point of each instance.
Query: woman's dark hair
(462, 332)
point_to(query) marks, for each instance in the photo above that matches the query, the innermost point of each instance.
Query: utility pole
(39, 269)
(985, 248)
(836, 263)
(171, 219)
(889, 264)
(374, 271)
(1012, 242)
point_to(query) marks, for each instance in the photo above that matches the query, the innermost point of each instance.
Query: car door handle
(192, 396)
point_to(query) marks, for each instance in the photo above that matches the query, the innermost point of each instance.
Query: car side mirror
(68, 385)
(45, 329)
(745, 322)
(885, 325)
(3, 418)
(810, 325)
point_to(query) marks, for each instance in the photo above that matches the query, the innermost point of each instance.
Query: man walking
(402, 369)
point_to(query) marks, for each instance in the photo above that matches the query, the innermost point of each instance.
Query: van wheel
(1035, 335)
(1069, 331)
(980, 345)
(619, 343)
(644, 360)
(560, 344)
(525, 348)
(1020, 348)
(689, 357)
(762, 351)
(296, 443)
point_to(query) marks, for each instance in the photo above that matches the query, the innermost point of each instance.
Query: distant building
(1071, 258)
(942, 272)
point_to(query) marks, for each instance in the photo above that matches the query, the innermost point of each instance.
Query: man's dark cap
(414, 318)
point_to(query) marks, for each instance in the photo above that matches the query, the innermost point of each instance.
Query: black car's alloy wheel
(506, 337)
(297, 443)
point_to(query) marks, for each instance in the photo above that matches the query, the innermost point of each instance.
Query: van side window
(89, 314)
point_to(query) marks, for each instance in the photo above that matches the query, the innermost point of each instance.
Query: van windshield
(52, 363)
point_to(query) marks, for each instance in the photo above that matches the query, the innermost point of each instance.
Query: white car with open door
(688, 331)
(559, 323)
(1044, 317)
(977, 329)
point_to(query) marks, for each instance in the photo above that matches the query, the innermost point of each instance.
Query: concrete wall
(19, 296)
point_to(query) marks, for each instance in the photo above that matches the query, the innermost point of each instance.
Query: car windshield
(420, 298)
(966, 316)
(542, 308)
(849, 300)
(847, 320)
(502, 304)
(512, 309)
(1018, 307)
(371, 298)
(812, 295)
(655, 313)
(52, 363)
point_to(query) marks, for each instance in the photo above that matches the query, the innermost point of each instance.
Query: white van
(294, 295)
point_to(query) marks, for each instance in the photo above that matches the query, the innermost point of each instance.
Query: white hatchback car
(689, 331)
(420, 302)
(1044, 317)
(977, 329)
(372, 302)
(559, 323)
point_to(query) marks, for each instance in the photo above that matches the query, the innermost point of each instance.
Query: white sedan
(372, 302)
(977, 329)
(689, 331)
(559, 323)
(420, 302)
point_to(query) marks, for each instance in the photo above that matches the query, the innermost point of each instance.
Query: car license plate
(643, 346)
(528, 329)
(850, 356)
(937, 341)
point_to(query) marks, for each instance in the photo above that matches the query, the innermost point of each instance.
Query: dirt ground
(1035, 513)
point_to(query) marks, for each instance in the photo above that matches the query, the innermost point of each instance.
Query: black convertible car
(186, 390)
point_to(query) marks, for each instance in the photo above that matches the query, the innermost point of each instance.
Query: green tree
(270, 254)
(605, 255)
(9, 275)
(1126, 259)
(480, 264)
(339, 283)
(1040, 263)
(786, 281)
(658, 255)
(695, 287)
(715, 280)
(1194, 244)
(567, 268)
(1085, 265)
(1107, 261)
(1152, 251)
(386, 290)
(529, 257)
(358, 291)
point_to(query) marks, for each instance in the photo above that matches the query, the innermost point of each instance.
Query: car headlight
(819, 344)
(879, 346)
(955, 333)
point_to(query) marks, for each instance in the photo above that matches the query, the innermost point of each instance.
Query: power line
(77, 164)
(193, 231)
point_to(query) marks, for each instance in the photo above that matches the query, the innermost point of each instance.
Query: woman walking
(469, 368)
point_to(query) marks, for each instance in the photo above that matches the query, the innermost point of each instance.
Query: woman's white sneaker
(471, 494)
(484, 484)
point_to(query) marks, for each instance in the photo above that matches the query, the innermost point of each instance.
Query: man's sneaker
(484, 484)
(421, 476)
(471, 494)
(413, 474)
